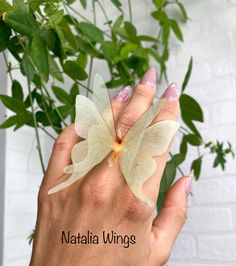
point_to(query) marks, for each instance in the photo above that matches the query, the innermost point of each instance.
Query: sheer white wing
(157, 137)
(143, 167)
(86, 116)
(134, 136)
(102, 101)
(99, 145)
(140, 144)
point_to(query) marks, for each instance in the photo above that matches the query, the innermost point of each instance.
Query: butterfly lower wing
(99, 145)
(134, 136)
(142, 168)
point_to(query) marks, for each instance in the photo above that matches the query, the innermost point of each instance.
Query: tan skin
(103, 201)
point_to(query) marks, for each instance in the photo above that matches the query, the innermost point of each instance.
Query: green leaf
(5, 33)
(61, 95)
(21, 22)
(74, 91)
(188, 74)
(39, 54)
(93, 33)
(13, 104)
(19, 5)
(165, 33)
(158, 3)
(175, 27)
(160, 200)
(131, 31)
(66, 34)
(56, 18)
(27, 68)
(190, 109)
(160, 16)
(146, 38)
(74, 70)
(196, 166)
(4, 6)
(168, 176)
(82, 59)
(54, 69)
(84, 3)
(183, 146)
(118, 4)
(17, 91)
(11, 121)
(183, 11)
(177, 159)
(193, 139)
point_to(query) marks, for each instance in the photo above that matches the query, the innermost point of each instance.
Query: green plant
(51, 39)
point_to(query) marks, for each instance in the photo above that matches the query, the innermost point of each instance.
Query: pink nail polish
(188, 184)
(149, 78)
(171, 93)
(124, 94)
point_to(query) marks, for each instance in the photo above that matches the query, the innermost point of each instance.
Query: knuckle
(126, 122)
(60, 144)
(94, 194)
(132, 208)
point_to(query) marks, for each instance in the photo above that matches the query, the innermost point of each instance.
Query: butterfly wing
(141, 144)
(102, 101)
(86, 116)
(99, 145)
(133, 137)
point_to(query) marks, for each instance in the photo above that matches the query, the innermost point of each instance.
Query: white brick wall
(209, 237)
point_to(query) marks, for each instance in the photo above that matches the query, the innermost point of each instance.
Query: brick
(221, 248)
(17, 248)
(215, 220)
(185, 248)
(16, 160)
(220, 190)
(19, 225)
(16, 181)
(22, 203)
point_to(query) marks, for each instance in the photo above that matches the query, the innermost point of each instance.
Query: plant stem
(8, 66)
(45, 131)
(35, 122)
(130, 11)
(105, 14)
(85, 19)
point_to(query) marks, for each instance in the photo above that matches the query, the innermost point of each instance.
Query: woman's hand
(102, 203)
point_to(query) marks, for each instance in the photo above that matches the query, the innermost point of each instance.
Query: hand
(102, 202)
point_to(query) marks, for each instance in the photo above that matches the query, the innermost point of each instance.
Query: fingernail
(124, 94)
(149, 78)
(171, 93)
(188, 184)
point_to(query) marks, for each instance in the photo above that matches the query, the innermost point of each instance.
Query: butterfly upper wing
(86, 116)
(102, 101)
(133, 138)
(157, 137)
(99, 145)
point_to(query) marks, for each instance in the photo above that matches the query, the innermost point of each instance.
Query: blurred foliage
(51, 39)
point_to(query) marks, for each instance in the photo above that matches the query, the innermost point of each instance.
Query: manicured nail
(171, 93)
(188, 184)
(149, 78)
(124, 94)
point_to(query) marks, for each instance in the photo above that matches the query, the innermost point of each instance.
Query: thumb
(171, 218)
